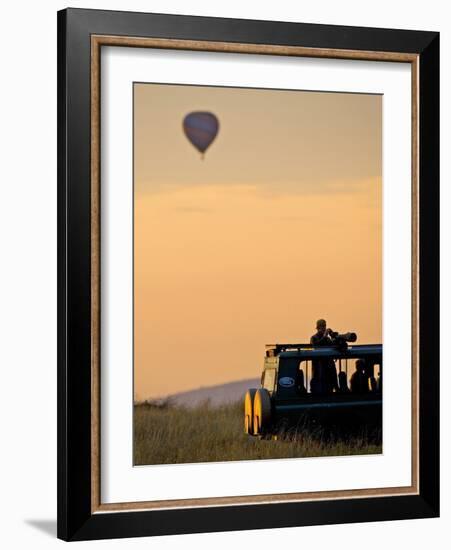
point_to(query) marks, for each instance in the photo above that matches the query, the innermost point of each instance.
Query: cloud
(265, 188)
(193, 209)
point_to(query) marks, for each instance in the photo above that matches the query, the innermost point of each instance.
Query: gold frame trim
(97, 41)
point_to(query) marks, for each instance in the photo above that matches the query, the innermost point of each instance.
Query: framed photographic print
(248, 274)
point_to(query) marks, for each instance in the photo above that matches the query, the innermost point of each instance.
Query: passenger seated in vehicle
(369, 371)
(379, 382)
(373, 384)
(343, 382)
(359, 379)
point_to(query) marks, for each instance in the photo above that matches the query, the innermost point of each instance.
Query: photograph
(248, 243)
(257, 274)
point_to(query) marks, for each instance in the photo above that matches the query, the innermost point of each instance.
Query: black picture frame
(76, 520)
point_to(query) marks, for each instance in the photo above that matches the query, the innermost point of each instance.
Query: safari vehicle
(285, 397)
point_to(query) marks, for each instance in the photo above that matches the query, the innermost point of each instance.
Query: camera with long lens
(342, 340)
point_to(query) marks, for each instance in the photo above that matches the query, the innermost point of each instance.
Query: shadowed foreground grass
(165, 434)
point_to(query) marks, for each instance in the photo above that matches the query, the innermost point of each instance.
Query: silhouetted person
(343, 382)
(322, 334)
(379, 382)
(324, 373)
(359, 379)
(369, 371)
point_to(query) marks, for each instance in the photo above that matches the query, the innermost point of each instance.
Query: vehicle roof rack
(274, 349)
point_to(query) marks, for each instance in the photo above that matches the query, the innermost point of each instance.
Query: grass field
(165, 434)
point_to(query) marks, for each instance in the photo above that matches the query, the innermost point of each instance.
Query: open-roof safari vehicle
(290, 394)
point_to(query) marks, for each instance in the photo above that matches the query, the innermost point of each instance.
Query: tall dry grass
(166, 434)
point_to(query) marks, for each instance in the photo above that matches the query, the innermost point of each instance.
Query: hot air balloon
(201, 128)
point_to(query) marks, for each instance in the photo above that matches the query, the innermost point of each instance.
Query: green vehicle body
(286, 377)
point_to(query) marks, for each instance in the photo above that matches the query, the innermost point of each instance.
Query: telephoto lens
(348, 336)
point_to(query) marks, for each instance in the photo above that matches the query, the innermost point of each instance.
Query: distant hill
(216, 395)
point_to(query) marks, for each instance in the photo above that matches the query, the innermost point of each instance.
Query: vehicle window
(305, 373)
(345, 365)
(269, 379)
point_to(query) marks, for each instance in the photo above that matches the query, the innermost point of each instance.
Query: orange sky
(280, 224)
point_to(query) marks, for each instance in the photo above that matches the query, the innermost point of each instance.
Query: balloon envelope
(200, 128)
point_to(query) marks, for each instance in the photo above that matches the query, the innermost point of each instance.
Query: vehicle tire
(249, 411)
(262, 412)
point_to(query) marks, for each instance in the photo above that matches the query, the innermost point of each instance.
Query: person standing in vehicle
(322, 335)
(324, 373)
